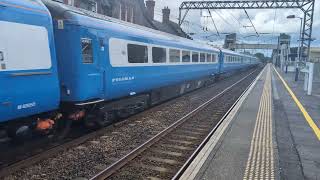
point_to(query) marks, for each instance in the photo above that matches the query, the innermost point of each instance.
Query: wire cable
(274, 22)
(213, 22)
(251, 22)
(222, 18)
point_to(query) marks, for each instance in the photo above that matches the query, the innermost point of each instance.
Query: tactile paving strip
(260, 164)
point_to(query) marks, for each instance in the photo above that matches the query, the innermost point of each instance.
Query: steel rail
(206, 140)
(5, 171)
(137, 151)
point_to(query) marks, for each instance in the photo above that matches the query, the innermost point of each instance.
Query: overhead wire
(236, 19)
(213, 22)
(274, 22)
(187, 23)
(191, 25)
(251, 22)
(222, 17)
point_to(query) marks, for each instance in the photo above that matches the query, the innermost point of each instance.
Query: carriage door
(91, 66)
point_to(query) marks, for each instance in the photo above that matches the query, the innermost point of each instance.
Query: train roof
(90, 19)
(227, 51)
(34, 6)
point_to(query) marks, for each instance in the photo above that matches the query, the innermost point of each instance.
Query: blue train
(60, 62)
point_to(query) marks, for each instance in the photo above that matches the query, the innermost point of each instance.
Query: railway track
(55, 148)
(34, 155)
(167, 154)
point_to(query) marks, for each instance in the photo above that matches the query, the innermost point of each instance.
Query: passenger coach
(72, 63)
(103, 59)
(28, 69)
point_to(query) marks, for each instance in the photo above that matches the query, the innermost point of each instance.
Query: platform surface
(267, 136)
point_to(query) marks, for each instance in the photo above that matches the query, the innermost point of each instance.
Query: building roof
(170, 27)
(142, 17)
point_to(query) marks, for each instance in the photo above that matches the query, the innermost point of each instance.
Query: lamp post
(299, 48)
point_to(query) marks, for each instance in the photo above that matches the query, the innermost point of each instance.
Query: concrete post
(310, 82)
(305, 87)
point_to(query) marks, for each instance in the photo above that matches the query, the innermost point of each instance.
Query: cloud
(265, 21)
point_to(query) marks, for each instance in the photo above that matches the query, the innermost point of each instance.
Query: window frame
(192, 54)
(147, 51)
(209, 55)
(1, 56)
(189, 52)
(166, 52)
(214, 58)
(205, 57)
(82, 50)
(173, 49)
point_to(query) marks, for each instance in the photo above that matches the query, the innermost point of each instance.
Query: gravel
(208, 117)
(86, 160)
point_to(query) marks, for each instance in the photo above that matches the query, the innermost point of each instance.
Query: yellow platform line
(306, 115)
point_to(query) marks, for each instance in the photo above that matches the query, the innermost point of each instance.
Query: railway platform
(271, 133)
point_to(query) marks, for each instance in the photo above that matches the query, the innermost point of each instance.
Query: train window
(209, 57)
(137, 53)
(214, 58)
(174, 55)
(87, 51)
(1, 56)
(195, 57)
(202, 57)
(185, 56)
(159, 55)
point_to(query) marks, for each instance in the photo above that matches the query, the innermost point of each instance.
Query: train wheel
(89, 121)
(20, 133)
(105, 119)
(66, 129)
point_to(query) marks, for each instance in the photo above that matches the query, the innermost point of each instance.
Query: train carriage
(28, 72)
(103, 59)
(93, 68)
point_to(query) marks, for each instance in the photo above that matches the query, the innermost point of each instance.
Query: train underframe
(100, 114)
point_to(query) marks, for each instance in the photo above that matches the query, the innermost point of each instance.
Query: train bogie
(94, 68)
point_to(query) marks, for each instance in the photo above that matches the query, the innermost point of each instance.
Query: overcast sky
(265, 21)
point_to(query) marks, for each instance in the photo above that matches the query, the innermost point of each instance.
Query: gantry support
(307, 6)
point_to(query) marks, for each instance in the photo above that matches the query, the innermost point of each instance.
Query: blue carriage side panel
(82, 78)
(86, 78)
(233, 61)
(28, 73)
(128, 79)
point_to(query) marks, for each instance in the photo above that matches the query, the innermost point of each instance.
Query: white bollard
(305, 87)
(310, 81)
